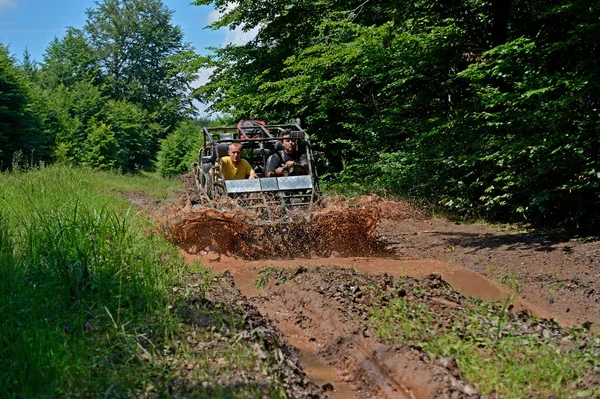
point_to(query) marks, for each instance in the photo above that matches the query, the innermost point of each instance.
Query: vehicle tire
(206, 184)
(195, 169)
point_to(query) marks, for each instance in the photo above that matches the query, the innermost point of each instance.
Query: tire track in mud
(337, 342)
(331, 341)
(334, 342)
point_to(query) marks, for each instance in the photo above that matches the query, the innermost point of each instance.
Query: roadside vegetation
(498, 352)
(84, 285)
(476, 107)
(90, 302)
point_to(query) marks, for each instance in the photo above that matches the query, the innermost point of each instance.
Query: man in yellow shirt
(233, 167)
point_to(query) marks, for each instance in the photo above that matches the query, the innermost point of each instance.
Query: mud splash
(340, 229)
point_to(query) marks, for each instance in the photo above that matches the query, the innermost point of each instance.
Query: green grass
(268, 274)
(82, 283)
(511, 281)
(151, 183)
(490, 351)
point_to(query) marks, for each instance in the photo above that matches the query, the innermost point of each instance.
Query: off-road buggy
(274, 198)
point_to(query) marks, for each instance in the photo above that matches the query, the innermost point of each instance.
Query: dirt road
(324, 277)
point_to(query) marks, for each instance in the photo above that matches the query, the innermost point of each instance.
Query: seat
(221, 150)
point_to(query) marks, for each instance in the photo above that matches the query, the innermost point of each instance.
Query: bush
(179, 149)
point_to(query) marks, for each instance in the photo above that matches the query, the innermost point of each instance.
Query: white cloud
(239, 37)
(7, 3)
(203, 77)
(213, 16)
(235, 36)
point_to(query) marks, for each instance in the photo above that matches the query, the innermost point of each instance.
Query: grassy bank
(82, 283)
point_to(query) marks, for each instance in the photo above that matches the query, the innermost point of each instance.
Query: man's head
(288, 143)
(235, 153)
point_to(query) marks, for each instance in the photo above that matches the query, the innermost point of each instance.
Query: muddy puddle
(343, 234)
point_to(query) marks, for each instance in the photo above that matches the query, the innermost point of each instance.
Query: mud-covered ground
(556, 272)
(321, 276)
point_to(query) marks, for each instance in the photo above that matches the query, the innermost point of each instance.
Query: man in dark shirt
(288, 158)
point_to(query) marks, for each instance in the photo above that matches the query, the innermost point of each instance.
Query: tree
(481, 106)
(102, 148)
(29, 66)
(179, 149)
(353, 70)
(70, 113)
(18, 125)
(134, 132)
(110, 91)
(70, 60)
(134, 43)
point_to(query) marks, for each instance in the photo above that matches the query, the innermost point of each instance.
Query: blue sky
(32, 24)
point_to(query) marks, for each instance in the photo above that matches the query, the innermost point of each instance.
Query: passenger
(287, 158)
(233, 167)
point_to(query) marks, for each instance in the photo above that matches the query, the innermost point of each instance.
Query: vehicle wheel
(219, 190)
(206, 184)
(195, 169)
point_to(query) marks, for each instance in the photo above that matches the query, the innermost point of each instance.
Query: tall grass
(83, 284)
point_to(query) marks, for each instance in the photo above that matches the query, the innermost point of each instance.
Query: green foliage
(84, 285)
(92, 130)
(18, 124)
(136, 47)
(102, 148)
(134, 133)
(524, 147)
(69, 60)
(511, 281)
(179, 149)
(105, 94)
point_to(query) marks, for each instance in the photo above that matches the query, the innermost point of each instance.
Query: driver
(287, 158)
(233, 167)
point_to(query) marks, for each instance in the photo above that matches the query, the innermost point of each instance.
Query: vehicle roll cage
(258, 142)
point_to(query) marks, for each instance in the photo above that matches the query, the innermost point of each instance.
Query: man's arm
(274, 166)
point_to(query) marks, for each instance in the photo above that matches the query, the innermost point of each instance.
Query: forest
(478, 108)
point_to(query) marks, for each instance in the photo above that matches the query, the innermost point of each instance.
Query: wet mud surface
(558, 273)
(216, 321)
(321, 274)
(330, 306)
